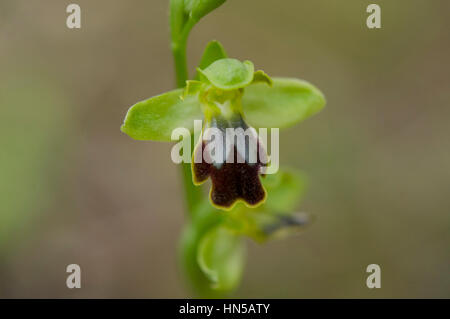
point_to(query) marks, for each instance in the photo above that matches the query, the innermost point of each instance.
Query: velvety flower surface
(234, 175)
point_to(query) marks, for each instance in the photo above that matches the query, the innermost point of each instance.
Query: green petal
(155, 118)
(229, 74)
(221, 256)
(261, 77)
(214, 51)
(286, 103)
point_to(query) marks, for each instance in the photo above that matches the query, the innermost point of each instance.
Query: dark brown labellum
(233, 176)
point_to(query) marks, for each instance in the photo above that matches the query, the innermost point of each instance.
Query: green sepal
(221, 256)
(155, 118)
(213, 51)
(286, 103)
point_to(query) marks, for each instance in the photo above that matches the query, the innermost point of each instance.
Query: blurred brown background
(74, 189)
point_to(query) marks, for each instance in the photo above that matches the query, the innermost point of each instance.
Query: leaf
(221, 256)
(214, 51)
(155, 118)
(229, 74)
(286, 103)
(197, 9)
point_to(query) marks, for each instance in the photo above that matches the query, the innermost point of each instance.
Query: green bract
(221, 256)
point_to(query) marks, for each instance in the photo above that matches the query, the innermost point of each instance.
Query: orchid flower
(228, 94)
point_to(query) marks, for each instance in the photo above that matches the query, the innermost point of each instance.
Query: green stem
(179, 56)
(193, 194)
(201, 213)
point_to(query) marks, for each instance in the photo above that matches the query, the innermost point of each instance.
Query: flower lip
(227, 160)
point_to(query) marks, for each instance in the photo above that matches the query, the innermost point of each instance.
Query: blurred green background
(74, 189)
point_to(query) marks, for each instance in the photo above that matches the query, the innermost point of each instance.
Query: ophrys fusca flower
(232, 100)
